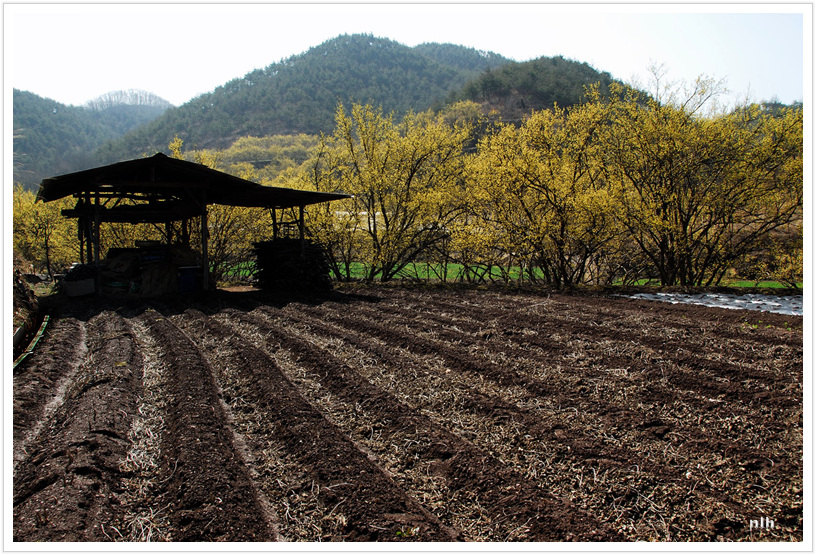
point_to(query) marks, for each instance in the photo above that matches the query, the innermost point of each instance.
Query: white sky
(75, 52)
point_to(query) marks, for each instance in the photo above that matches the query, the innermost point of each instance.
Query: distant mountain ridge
(293, 96)
(51, 138)
(300, 94)
(130, 97)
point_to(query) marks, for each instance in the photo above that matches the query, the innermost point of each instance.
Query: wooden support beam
(205, 261)
(97, 223)
(302, 230)
(185, 232)
(88, 246)
(81, 238)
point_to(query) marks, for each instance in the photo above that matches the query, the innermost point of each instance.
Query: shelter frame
(162, 190)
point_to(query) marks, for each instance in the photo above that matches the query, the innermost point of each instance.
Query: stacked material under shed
(292, 265)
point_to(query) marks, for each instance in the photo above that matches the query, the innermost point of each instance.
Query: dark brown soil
(400, 414)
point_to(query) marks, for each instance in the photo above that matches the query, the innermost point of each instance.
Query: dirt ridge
(409, 414)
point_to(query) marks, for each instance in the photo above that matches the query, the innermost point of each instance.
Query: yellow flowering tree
(41, 234)
(232, 229)
(405, 178)
(541, 196)
(697, 191)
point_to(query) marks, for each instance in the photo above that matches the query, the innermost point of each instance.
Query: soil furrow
(208, 487)
(40, 381)
(462, 464)
(372, 507)
(67, 487)
(146, 515)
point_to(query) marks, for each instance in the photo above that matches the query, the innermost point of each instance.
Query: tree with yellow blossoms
(232, 229)
(541, 196)
(697, 191)
(41, 234)
(406, 179)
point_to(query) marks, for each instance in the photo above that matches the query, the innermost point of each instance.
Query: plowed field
(397, 414)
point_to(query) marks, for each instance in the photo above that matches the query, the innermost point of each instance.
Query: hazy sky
(72, 53)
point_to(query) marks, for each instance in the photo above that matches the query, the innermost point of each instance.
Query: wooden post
(205, 261)
(185, 232)
(81, 237)
(96, 242)
(302, 229)
(89, 237)
(274, 223)
(88, 246)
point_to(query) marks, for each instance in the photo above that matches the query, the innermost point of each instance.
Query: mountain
(297, 95)
(461, 57)
(300, 94)
(516, 89)
(52, 138)
(121, 111)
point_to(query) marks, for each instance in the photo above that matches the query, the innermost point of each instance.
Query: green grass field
(768, 284)
(425, 271)
(434, 272)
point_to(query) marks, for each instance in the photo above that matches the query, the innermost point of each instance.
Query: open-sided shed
(161, 189)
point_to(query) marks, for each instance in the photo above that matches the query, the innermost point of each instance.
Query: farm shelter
(162, 190)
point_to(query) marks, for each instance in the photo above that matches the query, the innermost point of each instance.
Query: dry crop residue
(399, 414)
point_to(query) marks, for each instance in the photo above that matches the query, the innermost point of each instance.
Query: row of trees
(622, 187)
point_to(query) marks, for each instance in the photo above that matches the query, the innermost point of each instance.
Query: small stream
(779, 304)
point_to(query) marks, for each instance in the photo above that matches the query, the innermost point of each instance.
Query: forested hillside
(517, 89)
(52, 138)
(461, 57)
(300, 94)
